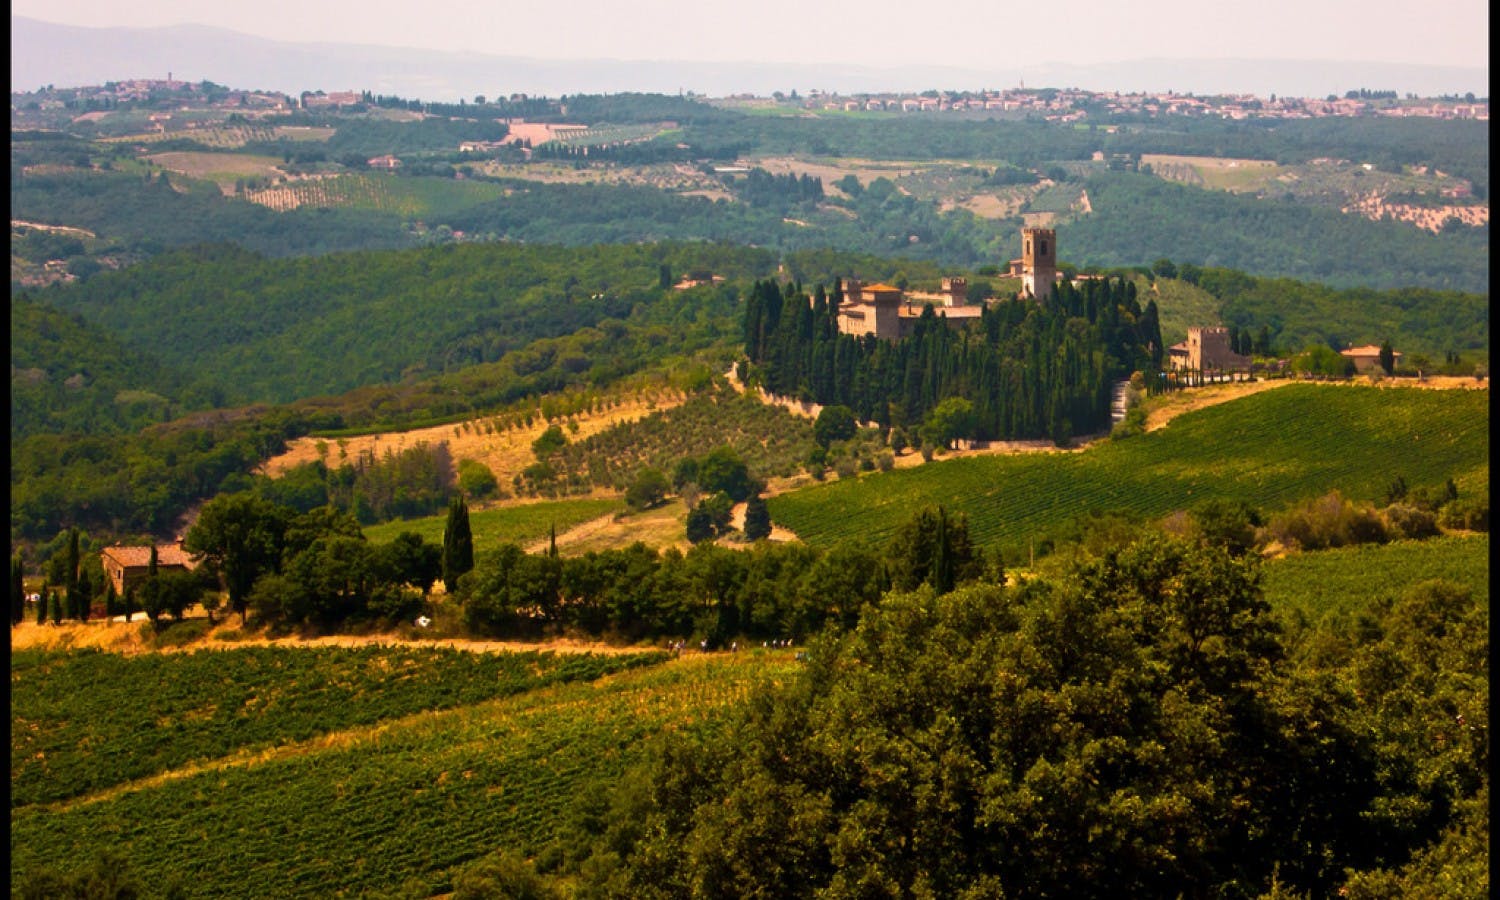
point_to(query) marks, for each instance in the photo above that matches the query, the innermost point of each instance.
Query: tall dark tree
(85, 595)
(17, 590)
(458, 544)
(932, 548)
(757, 519)
(1387, 357)
(700, 524)
(70, 574)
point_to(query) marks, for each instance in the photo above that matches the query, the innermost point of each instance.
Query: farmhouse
(1207, 349)
(127, 566)
(1367, 359)
(384, 162)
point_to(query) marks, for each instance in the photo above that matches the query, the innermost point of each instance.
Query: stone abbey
(889, 313)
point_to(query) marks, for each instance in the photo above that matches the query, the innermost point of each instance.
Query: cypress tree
(55, 604)
(85, 595)
(70, 574)
(458, 544)
(17, 590)
(942, 565)
(41, 607)
(757, 519)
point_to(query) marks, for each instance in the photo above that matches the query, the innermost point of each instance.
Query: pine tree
(458, 544)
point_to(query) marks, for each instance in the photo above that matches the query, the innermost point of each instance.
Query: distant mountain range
(44, 53)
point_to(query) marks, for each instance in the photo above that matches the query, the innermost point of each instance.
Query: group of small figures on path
(734, 646)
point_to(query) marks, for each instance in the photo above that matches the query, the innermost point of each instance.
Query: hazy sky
(967, 33)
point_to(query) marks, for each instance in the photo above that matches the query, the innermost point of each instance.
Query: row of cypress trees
(1031, 369)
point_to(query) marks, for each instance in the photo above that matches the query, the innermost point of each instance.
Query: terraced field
(366, 810)
(1268, 449)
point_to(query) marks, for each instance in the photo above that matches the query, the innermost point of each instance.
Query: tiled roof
(166, 555)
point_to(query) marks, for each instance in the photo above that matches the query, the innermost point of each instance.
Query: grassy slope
(515, 524)
(1269, 449)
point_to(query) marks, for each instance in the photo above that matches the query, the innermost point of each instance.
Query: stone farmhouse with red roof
(127, 566)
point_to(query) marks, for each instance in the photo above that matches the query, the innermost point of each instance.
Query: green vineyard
(1350, 579)
(149, 713)
(1269, 449)
(400, 805)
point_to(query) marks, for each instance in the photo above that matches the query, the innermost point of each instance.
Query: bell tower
(1039, 261)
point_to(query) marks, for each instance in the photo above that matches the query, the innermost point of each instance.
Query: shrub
(1411, 521)
(1468, 513)
(476, 480)
(1133, 424)
(649, 489)
(1328, 521)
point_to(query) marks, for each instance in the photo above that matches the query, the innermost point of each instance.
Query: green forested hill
(70, 376)
(1138, 219)
(257, 329)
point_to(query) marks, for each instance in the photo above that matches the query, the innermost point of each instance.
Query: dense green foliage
(1290, 443)
(1299, 313)
(206, 705)
(284, 329)
(1029, 370)
(1134, 728)
(69, 376)
(141, 483)
(711, 593)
